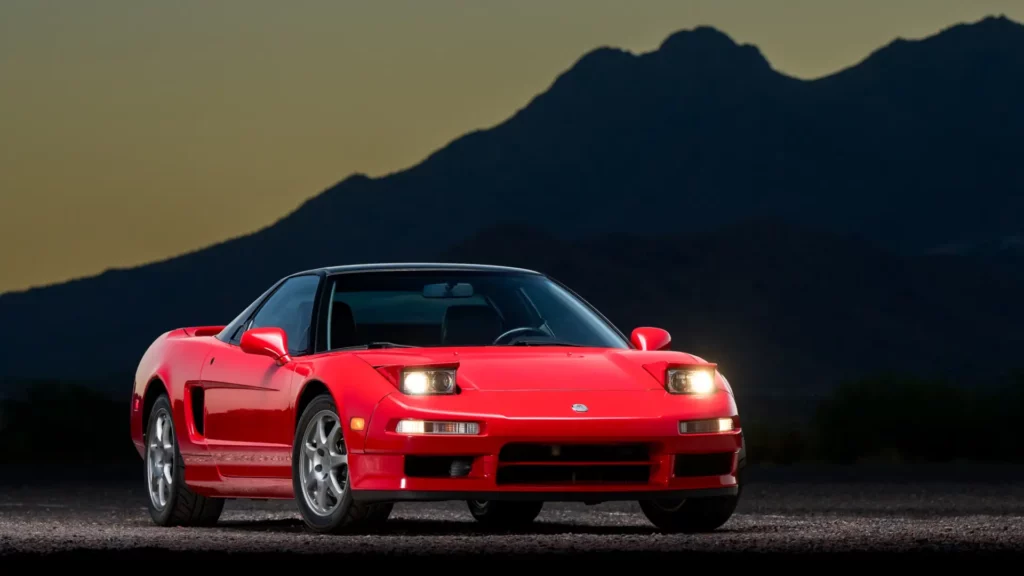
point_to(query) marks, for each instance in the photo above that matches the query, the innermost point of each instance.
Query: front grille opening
(523, 452)
(574, 474)
(689, 465)
(437, 466)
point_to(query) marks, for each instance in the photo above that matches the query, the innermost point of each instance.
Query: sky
(135, 130)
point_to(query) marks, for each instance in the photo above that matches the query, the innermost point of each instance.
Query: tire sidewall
(704, 514)
(478, 509)
(505, 512)
(162, 406)
(312, 519)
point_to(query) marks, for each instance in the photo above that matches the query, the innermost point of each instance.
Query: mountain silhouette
(787, 310)
(800, 232)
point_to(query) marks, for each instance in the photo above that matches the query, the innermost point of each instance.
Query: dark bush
(780, 444)
(915, 420)
(55, 420)
(891, 418)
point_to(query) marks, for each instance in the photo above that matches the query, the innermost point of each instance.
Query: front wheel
(171, 502)
(320, 474)
(504, 515)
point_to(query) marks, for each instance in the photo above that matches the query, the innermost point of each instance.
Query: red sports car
(352, 388)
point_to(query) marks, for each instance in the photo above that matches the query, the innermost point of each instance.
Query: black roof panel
(412, 266)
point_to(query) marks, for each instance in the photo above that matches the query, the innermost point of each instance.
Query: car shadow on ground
(415, 527)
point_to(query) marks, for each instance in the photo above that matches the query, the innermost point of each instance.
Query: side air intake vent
(198, 408)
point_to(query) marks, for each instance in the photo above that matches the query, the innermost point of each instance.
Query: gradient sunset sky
(134, 130)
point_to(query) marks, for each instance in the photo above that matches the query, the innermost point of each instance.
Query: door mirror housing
(269, 341)
(650, 338)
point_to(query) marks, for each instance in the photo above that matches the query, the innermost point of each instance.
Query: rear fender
(173, 361)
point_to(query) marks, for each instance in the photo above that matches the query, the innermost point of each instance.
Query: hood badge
(579, 407)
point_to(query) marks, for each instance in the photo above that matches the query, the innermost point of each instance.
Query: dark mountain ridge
(789, 310)
(634, 169)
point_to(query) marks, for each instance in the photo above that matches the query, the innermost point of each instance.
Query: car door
(248, 396)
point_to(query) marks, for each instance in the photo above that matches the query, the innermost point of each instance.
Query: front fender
(357, 389)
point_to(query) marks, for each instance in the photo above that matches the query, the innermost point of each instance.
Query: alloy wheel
(324, 463)
(160, 460)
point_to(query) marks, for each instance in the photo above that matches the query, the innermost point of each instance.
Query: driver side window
(290, 308)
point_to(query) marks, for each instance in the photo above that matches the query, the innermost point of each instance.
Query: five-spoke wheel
(320, 473)
(160, 459)
(171, 502)
(324, 463)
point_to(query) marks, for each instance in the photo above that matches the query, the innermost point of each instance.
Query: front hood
(492, 369)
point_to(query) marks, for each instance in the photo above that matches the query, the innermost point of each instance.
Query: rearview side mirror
(272, 342)
(649, 338)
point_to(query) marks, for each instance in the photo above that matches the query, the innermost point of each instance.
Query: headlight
(420, 382)
(690, 380)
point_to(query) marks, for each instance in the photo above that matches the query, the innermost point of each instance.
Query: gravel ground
(777, 516)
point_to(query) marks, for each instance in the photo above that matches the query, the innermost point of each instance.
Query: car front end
(588, 425)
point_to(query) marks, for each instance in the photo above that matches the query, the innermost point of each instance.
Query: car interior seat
(470, 326)
(343, 326)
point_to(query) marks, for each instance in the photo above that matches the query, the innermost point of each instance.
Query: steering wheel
(511, 335)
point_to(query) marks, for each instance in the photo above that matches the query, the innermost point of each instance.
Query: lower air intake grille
(522, 452)
(615, 463)
(437, 466)
(688, 465)
(574, 474)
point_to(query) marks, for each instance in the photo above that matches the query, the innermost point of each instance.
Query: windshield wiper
(538, 342)
(370, 345)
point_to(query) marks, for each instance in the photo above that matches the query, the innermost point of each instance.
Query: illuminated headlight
(706, 426)
(427, 427)
(690, 380)
(422, 382)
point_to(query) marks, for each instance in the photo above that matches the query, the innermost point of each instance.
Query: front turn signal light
(429, 427)
(712, 426)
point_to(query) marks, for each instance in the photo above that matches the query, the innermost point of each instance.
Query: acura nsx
(352, 388)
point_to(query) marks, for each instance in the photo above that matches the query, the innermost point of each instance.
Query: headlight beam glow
(697, 380)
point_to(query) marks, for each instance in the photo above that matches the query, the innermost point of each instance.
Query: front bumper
(573, 458)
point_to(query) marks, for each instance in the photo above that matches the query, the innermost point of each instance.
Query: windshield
(438, 308)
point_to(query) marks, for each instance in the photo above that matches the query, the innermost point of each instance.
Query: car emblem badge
(579, 407)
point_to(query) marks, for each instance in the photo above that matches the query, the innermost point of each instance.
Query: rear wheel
(690, 515)
(504, 515)
(697, 514)
(320, 474)
(171, 502)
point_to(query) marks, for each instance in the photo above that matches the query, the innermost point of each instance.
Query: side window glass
(291, 309)
(238, 324)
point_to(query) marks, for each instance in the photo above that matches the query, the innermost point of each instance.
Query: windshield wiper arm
(539, 342)
(370, 345)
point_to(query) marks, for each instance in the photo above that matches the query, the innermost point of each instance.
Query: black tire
(182, 506)
(705, 514)
(347, 515)
(692, 515)
(695, 515)
(502, 515)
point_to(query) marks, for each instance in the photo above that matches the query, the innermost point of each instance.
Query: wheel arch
(311, 389)
(353, 396)
(155, 387)
(356, 387)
